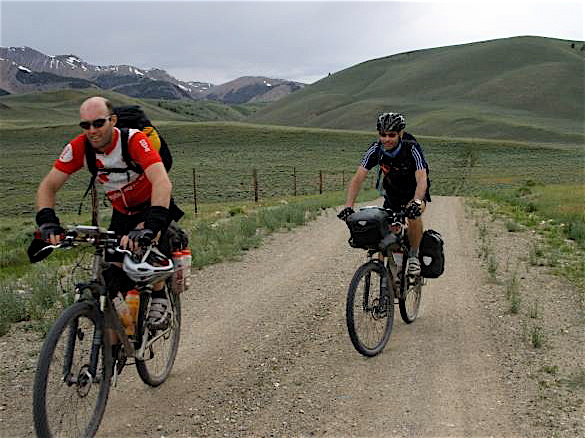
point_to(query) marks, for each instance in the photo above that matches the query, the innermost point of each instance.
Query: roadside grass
(557, 213)
(220, 232)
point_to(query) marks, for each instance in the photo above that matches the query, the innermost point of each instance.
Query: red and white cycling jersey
(125, 190)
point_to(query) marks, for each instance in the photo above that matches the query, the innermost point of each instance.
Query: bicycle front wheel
(69, 392)
(409, 305)
(162, 345)
(370, 309)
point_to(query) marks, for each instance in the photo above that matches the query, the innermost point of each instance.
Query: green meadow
(224, 155)
(544, 179)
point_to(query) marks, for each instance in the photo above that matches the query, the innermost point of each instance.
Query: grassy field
(548, 179)
(224, 155)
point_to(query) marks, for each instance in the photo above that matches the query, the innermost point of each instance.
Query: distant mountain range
(25, 70)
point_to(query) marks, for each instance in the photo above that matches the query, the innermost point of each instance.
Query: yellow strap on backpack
(153, 137)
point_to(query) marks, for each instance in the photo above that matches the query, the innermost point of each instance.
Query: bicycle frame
(97, 293)
(398, 243)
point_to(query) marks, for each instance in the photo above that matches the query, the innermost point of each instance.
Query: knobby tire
(159, 359)
(410, 304)
(369, 312)
(72, 404)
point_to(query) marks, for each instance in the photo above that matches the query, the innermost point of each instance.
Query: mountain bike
(78, 361)
(378, 285)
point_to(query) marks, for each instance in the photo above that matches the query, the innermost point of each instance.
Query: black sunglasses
(97, 123)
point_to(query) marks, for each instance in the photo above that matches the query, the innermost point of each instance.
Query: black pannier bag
(368, 227)
(431, 254)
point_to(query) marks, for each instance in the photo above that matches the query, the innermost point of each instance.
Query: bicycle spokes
(370, 309)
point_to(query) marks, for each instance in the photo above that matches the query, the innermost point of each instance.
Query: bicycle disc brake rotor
(84, 381)
(379, 308)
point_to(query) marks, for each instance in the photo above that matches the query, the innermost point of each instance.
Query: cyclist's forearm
(45, 199)
(47, 193)
(161, 185)
(161, 196)
(421, 185)
(352, 191)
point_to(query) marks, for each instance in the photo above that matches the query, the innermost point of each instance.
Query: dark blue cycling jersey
(396, 179)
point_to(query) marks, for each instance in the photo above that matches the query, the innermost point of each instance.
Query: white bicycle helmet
(152, 267)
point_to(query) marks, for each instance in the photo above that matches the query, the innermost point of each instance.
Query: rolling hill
(61, 107)
(521, 88)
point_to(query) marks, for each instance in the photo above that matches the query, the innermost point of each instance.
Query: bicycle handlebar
(396, 216)
(98, 237)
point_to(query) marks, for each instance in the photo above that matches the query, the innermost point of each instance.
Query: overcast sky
(298, 40)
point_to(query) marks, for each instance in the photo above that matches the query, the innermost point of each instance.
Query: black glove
(143, 237)
(157, 218)
(48, 223)
(345, 213)
(49, 229)
(413, 210)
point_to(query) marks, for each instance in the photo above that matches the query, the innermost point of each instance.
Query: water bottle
(186, 262)
(178, 283)
(124, 313)
(133, 302)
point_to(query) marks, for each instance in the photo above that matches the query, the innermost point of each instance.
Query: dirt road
(265, 352)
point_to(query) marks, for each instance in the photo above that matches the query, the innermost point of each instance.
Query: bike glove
(143, 237)
(345, 213)
(50, 229)
(413, 210)
(48, 223)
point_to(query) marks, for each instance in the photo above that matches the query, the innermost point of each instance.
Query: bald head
(98, 121)
(95, 107)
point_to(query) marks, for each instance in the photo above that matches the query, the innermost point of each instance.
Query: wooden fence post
(320, 182)
(294, 181)
(195, 191)
(255, 183)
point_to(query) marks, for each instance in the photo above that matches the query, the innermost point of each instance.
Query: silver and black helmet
(391, 122)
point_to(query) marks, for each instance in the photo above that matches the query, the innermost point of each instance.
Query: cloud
(300, 40)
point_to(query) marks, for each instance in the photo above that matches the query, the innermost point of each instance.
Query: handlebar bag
(368, 227)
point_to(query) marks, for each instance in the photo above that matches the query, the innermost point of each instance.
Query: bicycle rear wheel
(370, 309)
(67, 399)
(160, 355)
(409, 305)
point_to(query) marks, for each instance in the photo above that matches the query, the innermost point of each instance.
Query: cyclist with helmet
(140, 201)
(403, 178)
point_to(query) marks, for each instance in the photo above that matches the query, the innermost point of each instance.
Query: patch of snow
(20, 67)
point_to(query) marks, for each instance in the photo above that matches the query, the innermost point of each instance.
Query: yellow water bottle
(133, 301)
(124, 313)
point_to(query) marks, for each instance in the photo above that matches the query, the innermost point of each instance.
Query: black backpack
(431, 254)
(132, 117)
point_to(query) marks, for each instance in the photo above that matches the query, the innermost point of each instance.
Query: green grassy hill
(522, 88)
(57, 108)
